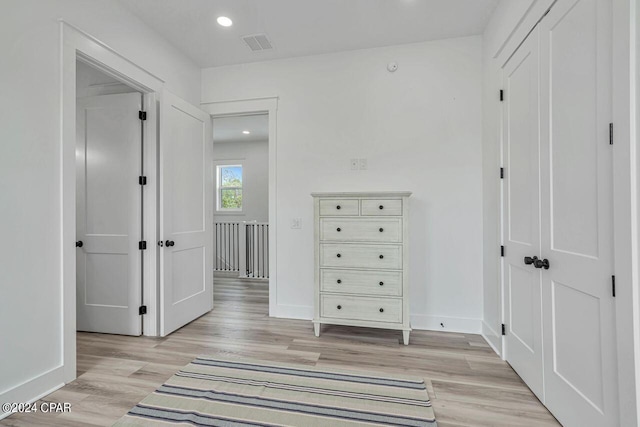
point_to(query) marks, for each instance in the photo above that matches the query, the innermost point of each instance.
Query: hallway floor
(468, 383)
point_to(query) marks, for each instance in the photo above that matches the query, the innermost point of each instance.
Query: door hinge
(501, 173)
(501, 250)
(142, 310)
(142, 180)
(142, 245)
(610, 133)
(501, 95)
(504, 329)
(142, 115)
(613, 286)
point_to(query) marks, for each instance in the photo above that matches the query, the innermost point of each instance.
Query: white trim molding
(427, 322)
(493, 338)
(75, 45)
(625, 211)
(49, 381)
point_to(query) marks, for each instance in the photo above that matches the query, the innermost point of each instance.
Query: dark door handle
(381, 256)
(381, 207)
(541, 263)
(79, 244)
(530, 260)
(169, 243)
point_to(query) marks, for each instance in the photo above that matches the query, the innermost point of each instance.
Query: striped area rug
(234, 393)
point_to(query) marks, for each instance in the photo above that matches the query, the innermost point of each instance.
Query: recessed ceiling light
(224, 21)
(246, 132)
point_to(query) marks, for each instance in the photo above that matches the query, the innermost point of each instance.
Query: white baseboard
(33, 389)
(446, 324)
(301, 312)
(492, 338)
(418, 321)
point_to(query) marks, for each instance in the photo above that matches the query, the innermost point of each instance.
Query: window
(229, 187)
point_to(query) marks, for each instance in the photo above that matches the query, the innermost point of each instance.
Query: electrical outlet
(363, 164)
(355, 164)
(296, 223)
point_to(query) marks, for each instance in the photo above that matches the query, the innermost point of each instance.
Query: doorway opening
(109, 203)
(241, 218)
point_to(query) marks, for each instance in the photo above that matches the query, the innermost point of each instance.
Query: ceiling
(229, 129)
(305, 27)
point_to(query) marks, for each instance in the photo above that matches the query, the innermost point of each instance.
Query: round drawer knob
(338, 255)
(338, 229)
(338, 207)
(381, 283)
(381, 256)
(339, 281)
(380, 207)
(381, 230)
(339, 307)
(382, 310)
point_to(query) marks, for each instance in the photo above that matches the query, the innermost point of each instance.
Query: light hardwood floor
(468, 383)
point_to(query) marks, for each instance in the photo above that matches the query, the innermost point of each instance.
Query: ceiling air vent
(257, 42)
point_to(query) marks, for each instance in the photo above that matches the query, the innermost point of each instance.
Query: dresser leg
(405, 337)
(316, 329)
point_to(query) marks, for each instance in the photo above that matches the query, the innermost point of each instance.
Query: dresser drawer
(363, 282)
(361, 229)
(381, 207)
(339, 207)
(361, 308)
(361, 256)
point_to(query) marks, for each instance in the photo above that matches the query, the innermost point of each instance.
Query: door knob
(169, 243)
(79, 244)
(541, 263)
(530, 260)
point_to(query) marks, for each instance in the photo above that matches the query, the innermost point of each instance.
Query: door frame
(76, 44)
(270, 107)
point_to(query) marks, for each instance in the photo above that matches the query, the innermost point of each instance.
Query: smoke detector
(257, 42)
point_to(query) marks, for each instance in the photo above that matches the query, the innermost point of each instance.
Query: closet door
(576, 180)
(521, 214)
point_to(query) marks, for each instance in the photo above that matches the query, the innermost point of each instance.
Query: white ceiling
(305, 27)
(229, 129)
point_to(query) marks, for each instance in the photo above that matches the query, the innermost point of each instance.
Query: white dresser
(361, 260)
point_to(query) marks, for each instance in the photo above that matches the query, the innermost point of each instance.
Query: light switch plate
(296, 223)
(363, 164)
(355, 164)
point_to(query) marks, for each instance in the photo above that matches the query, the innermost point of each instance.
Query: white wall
(419, 128)
(30, 170)
(254, 157)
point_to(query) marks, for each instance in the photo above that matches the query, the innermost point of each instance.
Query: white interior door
(522, 214)
(186, 214)
(108, 154)
(577, 218)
